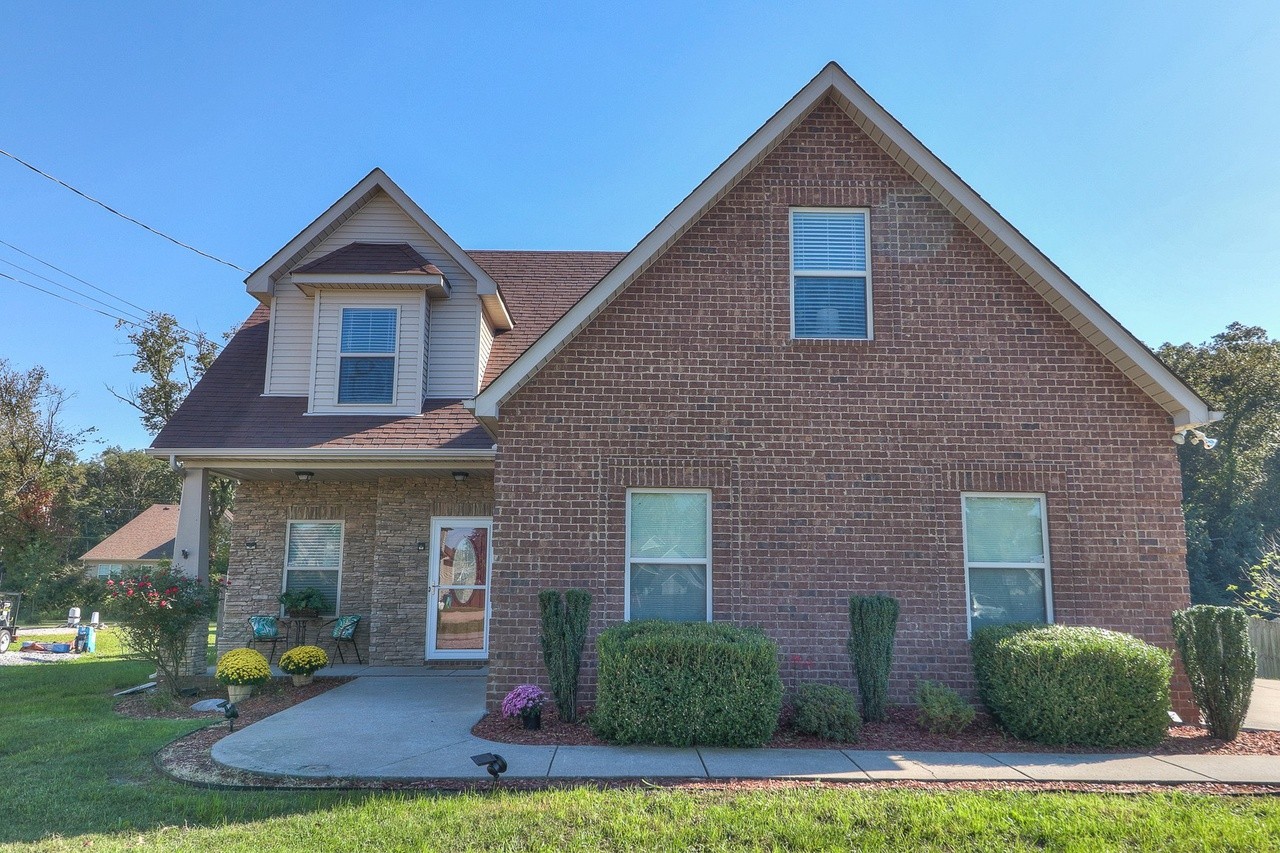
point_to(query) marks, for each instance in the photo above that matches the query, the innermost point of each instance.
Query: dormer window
(830, 278)
(367, 356)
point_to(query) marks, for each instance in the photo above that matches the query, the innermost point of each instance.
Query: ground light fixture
(231, 713)
(491, 761)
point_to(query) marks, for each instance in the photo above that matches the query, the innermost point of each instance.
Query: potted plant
(302, 662)
(240, 670)
(525, 702)
(305, 603)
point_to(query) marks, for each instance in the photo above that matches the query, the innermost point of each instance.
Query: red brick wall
(836, 467)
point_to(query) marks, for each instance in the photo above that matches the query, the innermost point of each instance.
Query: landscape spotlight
(229, 711)
(492, 762)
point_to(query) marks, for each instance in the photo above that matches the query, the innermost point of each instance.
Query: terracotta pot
(533, 720)
(237, 693)
(301, 680)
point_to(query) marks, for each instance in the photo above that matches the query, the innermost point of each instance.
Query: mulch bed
(897, 734)
(268, 699)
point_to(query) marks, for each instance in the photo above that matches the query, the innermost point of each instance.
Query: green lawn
(78, 776)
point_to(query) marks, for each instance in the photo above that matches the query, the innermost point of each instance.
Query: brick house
(831, 369)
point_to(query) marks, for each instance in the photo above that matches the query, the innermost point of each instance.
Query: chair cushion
(264, 627)
(344, 627)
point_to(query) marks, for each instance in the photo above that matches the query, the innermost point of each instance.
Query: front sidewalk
(419, 727)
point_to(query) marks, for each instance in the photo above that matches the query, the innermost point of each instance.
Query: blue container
(86, 639)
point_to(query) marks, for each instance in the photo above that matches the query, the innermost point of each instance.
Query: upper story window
(367, 356)
(830, 278)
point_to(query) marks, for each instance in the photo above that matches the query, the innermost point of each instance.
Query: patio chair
(265, 629)
(344, 631)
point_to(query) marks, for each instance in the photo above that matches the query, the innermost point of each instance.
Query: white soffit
(261, 281)
(1100, 328)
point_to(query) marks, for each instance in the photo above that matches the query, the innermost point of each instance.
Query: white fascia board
(970, 208)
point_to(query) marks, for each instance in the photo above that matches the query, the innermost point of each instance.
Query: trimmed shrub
(564, 633)
(1080, 686)
(826, 711)
(982, 649)
(1220, 662)
(685, 683)
(873, 622)
(940, 710)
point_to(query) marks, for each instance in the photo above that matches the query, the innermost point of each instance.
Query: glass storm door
(458, 598)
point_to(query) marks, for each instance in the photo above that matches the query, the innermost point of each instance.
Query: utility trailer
(9, 602)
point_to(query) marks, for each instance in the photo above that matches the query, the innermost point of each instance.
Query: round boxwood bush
(1064, 685)
(826, 711)
(685, 683)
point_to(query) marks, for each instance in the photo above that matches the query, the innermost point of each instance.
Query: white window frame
(394, 355)
(342, 552)
(866, 276)
(1046, 566)
(675, 561)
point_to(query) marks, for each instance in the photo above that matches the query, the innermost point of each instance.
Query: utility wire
(72, 301)
(123, 216)
(71, 289)
(146, 313)
(73, 276)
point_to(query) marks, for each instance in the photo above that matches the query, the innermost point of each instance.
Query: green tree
(1230, 493)
(37, 473)
(173, 359)
(115, 486)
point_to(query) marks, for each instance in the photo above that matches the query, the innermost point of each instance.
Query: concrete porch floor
(418, 727)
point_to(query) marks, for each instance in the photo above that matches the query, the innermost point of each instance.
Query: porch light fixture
(491, 761)
(304, 476)
(460, 476)
(251, 544)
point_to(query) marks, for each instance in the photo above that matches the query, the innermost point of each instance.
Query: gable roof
(226, 415)
(372, 259)
(1184, 406)
(261, 282)
(147, 536)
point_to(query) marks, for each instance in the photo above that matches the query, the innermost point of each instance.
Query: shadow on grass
(74, 766)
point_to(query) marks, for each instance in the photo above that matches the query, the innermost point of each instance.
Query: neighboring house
(831, 369)
(143, 542)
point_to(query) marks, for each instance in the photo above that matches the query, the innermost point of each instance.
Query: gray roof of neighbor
(226, 409)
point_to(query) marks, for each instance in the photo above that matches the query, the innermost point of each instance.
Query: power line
(72, 301)
(74, 276)
(145, 311)
(70, 289)
(123, 216)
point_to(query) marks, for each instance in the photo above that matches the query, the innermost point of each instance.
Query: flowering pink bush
(525, 699)
(158, 612)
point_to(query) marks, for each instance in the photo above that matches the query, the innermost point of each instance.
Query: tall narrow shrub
(564, 634)
(1220, 662)
(873, 622)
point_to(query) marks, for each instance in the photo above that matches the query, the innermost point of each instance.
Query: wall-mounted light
(460, 476)
(251, 544)
(304, 476)
(422, 546)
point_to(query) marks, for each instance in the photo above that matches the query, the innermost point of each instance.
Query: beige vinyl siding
(451, 335)
(408, 387)
(486, 346)
(289, 371)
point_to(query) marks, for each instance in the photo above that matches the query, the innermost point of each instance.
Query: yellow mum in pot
(304, 660)
(243, 667)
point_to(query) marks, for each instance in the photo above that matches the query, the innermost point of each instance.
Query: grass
(78, 776)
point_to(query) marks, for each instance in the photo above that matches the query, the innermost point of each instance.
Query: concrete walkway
(418, 727)
(1264, 707)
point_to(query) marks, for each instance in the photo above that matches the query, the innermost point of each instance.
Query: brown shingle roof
(372, 259)
(227, 410)
(148, 536)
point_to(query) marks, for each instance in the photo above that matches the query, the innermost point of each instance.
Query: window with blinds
(313, 558)
(669, 555)
(830, 279)
(367, 356)
(1006, 548)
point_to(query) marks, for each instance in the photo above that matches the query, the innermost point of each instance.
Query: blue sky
(1136, 143)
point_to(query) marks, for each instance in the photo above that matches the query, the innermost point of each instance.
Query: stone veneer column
(191, 554)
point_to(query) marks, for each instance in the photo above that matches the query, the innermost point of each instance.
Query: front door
(458, 600)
